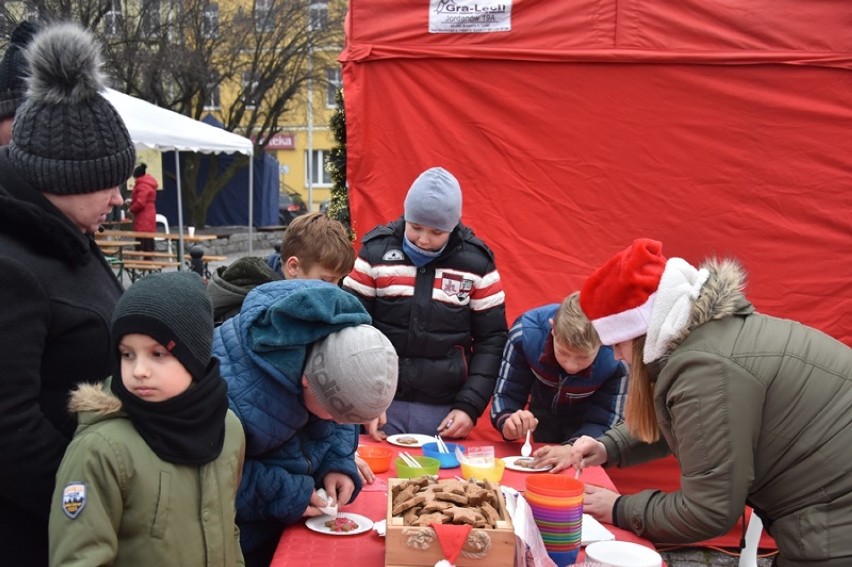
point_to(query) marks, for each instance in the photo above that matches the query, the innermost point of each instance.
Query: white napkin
(330, 507)
(594, 531)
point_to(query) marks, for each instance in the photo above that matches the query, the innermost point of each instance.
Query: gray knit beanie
(353, 373)
(67, 138)
(174, 309)
(13, 69)
(434, 200)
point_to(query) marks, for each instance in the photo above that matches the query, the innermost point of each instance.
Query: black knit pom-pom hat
(67, 138)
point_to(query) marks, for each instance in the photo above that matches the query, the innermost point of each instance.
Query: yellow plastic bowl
(493, 473)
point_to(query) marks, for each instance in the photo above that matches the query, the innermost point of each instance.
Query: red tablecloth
(300, 546)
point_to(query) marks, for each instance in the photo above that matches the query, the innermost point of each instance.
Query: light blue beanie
(434, 200)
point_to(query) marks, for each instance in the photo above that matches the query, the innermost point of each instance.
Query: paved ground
(701, 557)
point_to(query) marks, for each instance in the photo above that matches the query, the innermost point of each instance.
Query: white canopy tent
(151, 126)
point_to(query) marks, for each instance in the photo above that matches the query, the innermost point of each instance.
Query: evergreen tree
(338, 207)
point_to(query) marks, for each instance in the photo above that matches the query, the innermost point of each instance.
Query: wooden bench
(208, 258)
(138, 268)
(141, 254)
(132, 256)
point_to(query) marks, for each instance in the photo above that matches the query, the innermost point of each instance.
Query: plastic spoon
(526, 450)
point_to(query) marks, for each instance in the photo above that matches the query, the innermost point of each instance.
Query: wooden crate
(407, 546)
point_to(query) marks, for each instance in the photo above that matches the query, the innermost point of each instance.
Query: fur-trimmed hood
(721, 296)
(94, 398)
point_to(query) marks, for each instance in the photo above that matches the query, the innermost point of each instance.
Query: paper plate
(317, 524)
(511, 464)
(623, 554)
(419, 440)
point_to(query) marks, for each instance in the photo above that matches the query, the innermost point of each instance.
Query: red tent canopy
(719, 128)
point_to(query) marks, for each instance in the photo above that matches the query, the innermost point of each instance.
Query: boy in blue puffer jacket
(300, 360)
(554, 361)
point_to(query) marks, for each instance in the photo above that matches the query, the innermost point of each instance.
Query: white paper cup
(191, 230)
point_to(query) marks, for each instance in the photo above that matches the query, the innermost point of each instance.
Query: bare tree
(252, 55)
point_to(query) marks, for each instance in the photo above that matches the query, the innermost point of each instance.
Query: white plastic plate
(419, 440)
(317, 524)
(511, 464)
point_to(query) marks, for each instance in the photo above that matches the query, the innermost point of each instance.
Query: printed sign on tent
(469, 16)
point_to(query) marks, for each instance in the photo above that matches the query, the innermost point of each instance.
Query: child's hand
(372, 427)
(364, 470)
(317, 501)
(339, 486)
(517, 424)
(456, 424)
(556, 456)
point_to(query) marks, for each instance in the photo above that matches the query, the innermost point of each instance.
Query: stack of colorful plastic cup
(557, 506)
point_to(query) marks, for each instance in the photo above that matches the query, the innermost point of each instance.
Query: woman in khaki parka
(757, 410)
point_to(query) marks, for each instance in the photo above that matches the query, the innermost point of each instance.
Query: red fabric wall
(722, 132)
(719, 128)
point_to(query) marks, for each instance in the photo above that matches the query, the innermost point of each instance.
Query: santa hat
(618, 297)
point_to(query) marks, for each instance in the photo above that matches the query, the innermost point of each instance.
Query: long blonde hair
(639, 413)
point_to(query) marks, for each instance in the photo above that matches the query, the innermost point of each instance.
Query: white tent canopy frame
(151, 126)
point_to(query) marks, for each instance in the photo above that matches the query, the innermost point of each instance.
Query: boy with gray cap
(433, 288)
(302, 364)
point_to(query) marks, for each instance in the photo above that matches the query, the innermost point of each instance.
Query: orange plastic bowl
(379, 458)
(555, 486)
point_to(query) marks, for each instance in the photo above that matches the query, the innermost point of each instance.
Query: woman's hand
(598, 502)
(587, 452)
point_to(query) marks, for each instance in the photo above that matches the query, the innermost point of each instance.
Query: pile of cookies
(423, 501)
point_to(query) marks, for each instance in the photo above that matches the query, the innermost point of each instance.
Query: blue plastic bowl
(564, 558)
(447, 460)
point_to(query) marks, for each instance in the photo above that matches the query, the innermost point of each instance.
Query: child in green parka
(151, 475)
